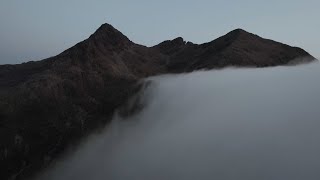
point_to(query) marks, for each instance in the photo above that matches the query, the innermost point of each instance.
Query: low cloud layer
(225, 124)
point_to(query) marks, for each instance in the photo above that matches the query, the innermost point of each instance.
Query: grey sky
(34, 29)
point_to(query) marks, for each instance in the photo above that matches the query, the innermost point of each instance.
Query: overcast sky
(36, 29)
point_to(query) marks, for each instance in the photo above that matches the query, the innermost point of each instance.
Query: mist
(221, 124)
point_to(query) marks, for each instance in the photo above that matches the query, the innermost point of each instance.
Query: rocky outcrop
(49, 105)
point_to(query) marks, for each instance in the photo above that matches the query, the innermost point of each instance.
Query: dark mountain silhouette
(237, 48)
(47, 106)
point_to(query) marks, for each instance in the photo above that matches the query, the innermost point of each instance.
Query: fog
(245, 124)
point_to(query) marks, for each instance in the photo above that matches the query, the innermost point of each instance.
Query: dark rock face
(47, 106)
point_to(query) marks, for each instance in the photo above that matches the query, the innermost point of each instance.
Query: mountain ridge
(47, 106)
(229, 50)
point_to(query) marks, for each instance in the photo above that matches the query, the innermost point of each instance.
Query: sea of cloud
(245, 124)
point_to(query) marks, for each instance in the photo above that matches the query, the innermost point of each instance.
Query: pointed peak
(239, 32)
(233, 36)
(105, 28)
(107, 33)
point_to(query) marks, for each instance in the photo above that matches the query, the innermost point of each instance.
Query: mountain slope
(47, 106)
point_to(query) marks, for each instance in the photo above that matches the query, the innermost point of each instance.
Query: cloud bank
(228, 124)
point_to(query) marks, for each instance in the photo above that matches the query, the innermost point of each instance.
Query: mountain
(47, 106)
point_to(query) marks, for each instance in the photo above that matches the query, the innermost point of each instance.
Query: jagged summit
(236, 48)
(175, 41)
(171, 46)
(178, 40)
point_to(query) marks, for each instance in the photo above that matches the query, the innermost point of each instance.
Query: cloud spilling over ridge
(227, 124)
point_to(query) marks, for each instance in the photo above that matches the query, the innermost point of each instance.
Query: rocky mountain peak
(106, 33)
